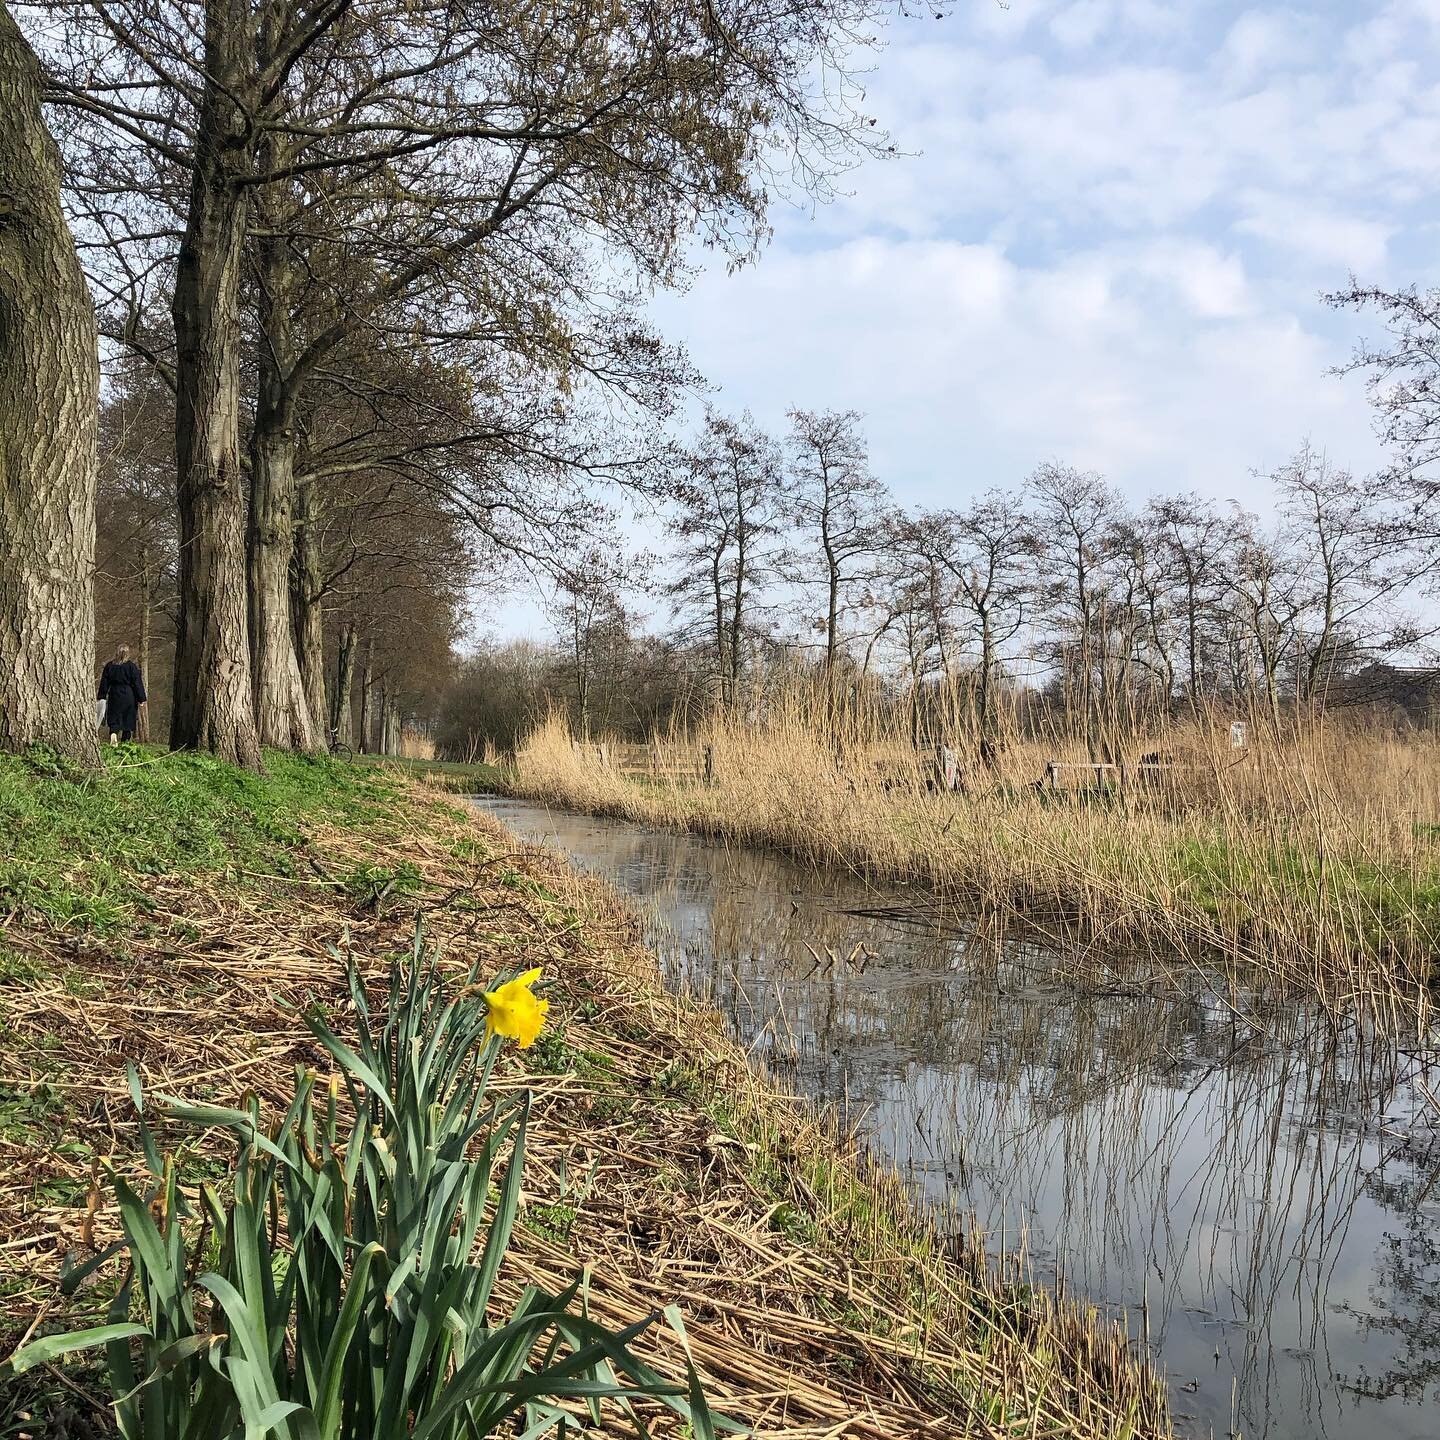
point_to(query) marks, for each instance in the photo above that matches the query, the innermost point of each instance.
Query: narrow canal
(1260, 1194)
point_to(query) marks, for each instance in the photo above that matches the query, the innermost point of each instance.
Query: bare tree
(1190, 542)
(49, 392)
(136, 555)
(839, 507)
(731, 511)
(587, 609)
(989, 550)
(1271, 593)
(1076, 512)
(1403, 382)
(1341, 534)
(422, 137)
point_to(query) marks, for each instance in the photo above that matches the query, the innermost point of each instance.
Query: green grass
(1222, 875)
(554, 1222)
(77, 843)
(452, 775)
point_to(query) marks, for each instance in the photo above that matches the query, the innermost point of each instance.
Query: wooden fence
(676, 761)
(691, 763)
(1150, 773)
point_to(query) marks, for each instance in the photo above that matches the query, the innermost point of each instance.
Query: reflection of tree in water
(1205, 1168)
(1405, 1293)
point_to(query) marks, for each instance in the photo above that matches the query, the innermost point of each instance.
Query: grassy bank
(458, 777)
(1309, 863)
(179, 915)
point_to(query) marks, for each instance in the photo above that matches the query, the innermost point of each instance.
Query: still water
(1259, 1193)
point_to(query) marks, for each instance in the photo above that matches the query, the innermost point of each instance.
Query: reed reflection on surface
(1254, 1188)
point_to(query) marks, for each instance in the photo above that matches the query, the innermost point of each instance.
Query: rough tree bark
(985, 696)
(383, 745)
(49, 390)
(283, 712)
(341, 718)
(367, 700)
(393, 734)
(147, 604)
(212, 707)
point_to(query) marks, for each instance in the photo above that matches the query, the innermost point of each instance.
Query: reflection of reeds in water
(1176, 1157)
(1014, 1360)
(1309, 862)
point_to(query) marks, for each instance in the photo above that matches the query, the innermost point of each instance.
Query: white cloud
(1153, 366)
(1212, 285)
(1110, 249)
(1338, 242)
(1139, 138)
(1080, 25)
(1261, 42)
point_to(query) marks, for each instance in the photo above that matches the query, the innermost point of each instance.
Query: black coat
(123, 691)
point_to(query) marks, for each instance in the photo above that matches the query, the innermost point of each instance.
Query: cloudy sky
(1105, 243)
(1108, 246)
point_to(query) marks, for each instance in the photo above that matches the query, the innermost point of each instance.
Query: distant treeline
(1054, 599)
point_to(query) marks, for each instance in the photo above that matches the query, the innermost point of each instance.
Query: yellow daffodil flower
(515, 1011)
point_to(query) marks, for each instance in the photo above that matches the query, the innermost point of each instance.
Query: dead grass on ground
(1307, 865)
(816, 1306)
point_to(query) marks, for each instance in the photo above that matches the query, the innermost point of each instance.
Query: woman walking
(123, 691)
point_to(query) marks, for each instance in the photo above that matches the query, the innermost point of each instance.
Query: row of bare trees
(792, 547)
(368, 248)
(377, 583)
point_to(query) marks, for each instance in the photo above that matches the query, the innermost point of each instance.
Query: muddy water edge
(1258, 1192)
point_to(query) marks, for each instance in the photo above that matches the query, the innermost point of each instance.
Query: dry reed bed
(1309, 864)
(656, 1156)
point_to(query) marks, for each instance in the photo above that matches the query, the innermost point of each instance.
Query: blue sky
(1106, 247)
(1109, 248)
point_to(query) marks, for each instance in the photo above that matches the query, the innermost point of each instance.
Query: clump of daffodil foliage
(371, 1313)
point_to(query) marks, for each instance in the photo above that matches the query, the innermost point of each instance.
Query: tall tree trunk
(737, 621)
(721, 667)
(147, 602)
(1192, 629)
(342, 721)
(212, 707)
(385, 739)
(49, 391)
(147, 605)
(309, 614)
(367, 699)
(989, 667)
(283, 713)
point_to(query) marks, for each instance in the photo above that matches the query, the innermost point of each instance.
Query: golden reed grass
(1306, 863)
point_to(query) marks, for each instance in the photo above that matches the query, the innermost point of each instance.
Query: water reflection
(1259, 1192)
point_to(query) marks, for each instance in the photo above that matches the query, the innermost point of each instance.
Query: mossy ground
(174, 913)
